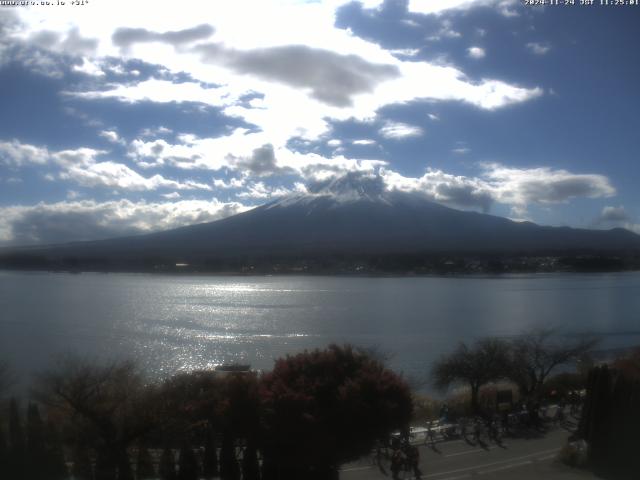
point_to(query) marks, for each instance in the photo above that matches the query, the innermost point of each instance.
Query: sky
(120, 117)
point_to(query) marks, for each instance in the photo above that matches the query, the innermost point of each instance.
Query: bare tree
(474, 366)
(538, 352)
(105, 404)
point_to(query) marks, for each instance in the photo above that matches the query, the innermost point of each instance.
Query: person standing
(431, 435)
(397, 463)
(413, 461)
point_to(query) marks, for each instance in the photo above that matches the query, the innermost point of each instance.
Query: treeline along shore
(398, 264)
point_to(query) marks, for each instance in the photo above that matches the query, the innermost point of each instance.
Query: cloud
(50, 53)
(90, 68)
(192, 152)
(463, 195)
(91, 220)
(476, 53)
(8, 21)
(437, 186)
(261, 163)
(298, 83)
(546, 185)
(318, 169)
(17, 154)
(261, 191)
(613, 215)
(441, 187)
(76, 44)
(538, 48)
(461, 150)
(328, 72)
(331, 77)
(494, 94)
(39, 61)
(171, 196)
(119, 176)
(518, 188)
(81, 165)
(112, 136)
(505, 7)
(355, 183)
(446, 31)
(363, 141)
(405, 52)
(155, 131)
(523, 187)
(242, 152)
(231, 183)
(125, 37)
(161, 91)
(69, 42)
(76, 158)
(398, 130)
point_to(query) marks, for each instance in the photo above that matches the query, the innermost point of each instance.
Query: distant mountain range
(349, 219)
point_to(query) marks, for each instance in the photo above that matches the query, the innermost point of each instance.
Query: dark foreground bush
(610, 422)
(327, 407)
(313, 412)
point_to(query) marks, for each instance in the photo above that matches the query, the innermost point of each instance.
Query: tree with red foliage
(629, 364)
(323, 408)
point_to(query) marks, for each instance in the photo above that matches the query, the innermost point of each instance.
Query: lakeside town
(409, 264)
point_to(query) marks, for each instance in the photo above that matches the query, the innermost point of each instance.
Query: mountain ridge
(345, 219)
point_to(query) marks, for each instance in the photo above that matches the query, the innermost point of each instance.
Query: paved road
(532, 458)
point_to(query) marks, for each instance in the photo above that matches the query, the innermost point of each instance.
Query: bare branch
(475, 366)
(536, 353)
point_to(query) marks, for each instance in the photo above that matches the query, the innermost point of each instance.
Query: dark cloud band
(125, 37)
(332, 78)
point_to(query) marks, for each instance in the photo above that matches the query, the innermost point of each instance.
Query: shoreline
(326, 273)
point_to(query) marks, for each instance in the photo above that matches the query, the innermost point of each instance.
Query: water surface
(172, 323)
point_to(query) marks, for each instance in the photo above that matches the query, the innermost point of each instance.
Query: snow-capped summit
(349, 188)
(352, 186)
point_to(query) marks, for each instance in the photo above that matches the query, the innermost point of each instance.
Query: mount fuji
(350, 216)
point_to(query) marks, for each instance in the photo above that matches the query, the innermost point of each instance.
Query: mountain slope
(345, 218)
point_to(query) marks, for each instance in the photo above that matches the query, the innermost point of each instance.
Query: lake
(173, 323)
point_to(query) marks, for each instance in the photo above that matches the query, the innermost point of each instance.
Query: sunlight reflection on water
(179, 323)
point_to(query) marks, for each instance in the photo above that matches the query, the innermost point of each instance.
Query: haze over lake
(172, 323)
